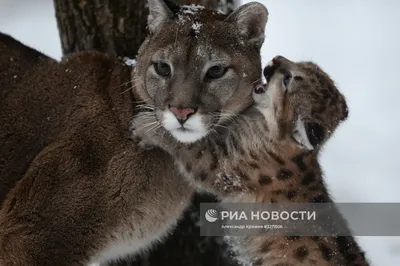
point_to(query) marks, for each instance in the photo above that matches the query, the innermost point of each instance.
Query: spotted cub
(269, 154)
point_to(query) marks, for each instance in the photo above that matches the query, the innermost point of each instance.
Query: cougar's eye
(215, 72)
(286, 80)
(162, 69)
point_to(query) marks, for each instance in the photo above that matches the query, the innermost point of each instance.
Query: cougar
(75, 188)
(269, 154)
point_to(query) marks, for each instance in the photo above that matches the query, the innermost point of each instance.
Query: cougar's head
(197, 67)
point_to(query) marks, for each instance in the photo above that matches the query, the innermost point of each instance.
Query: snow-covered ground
(356, 42)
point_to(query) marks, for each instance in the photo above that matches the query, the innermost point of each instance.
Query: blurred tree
(118, 27)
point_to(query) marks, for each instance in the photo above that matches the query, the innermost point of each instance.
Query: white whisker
(150, 124)
(123, 84)
(258, 80)
(130, 88)
(155, 127)
(146, 106)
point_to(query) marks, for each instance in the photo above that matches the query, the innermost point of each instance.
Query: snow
(356, 42)
(196, 27)
(129, 62)
(191, 9)
(188, 11)
(32, 23)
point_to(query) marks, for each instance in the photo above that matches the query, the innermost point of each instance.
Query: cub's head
(301, 101)
(197, 67)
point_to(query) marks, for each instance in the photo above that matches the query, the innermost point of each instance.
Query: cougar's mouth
(196, 127)
(191, 130)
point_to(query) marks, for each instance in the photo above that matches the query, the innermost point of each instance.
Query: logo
(211, 215)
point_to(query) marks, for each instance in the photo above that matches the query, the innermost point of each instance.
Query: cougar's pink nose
(182, 114)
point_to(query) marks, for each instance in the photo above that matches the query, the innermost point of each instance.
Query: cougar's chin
(187, 136)
(192, 130)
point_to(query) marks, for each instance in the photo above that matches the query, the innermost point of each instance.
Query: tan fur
(76, 188)
(72, 183)
(256, 159)
(193, 40)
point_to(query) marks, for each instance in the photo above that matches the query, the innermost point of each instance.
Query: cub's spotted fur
(269, 154)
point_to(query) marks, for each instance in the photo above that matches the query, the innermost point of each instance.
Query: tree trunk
(114, 27)
(118, 27)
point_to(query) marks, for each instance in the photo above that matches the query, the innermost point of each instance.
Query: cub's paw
(144, 127)
(144, 142)
(146, 145)
(135, 135)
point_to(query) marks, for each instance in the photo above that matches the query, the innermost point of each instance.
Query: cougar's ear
(160, 11)
(251, 19)
(301, 136)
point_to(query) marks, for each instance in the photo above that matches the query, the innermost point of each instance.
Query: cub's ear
(345, 110)
(160, 11)
(251, 19)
